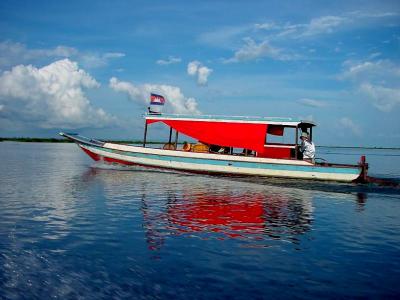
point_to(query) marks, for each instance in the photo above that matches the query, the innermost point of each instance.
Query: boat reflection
(251, 217)
(176, 205)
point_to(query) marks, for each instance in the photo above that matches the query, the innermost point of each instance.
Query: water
(70, 228)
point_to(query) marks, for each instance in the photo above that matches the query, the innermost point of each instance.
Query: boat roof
(231, 119)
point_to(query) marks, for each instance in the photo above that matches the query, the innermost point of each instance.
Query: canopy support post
(176, 139)
(296, 149)
(145, 134)
(170, 135)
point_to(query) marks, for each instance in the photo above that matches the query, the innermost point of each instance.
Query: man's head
(304, 136)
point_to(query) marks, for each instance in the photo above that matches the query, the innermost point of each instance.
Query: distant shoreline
(56, 140)
(360, 147)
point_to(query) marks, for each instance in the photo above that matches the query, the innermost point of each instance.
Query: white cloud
(176, 102)
(61, 51)
(323, 25)
(97, 60)
(252, 51)
(12, 54)
(192, 67)
(52, 96)
(203, 73)
(347, 123)
(371, 15)
(266, 26)
(279, 33)
(261, 39)
(312, 102)
(383, 98)
(381, 70)
(316, 26)
(327, 24)
(16, 53)
(196, 68)
(374, 55)
(224, 37)
(171, 60)
(377, 81)
(330, 24)
(113, 55)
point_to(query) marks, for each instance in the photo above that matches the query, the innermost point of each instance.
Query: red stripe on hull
(110, 160)
(98, 157)
(94, 156)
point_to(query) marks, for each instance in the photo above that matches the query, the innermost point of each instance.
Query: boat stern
(363, 177)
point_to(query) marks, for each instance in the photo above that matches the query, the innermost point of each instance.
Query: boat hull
(217, 163)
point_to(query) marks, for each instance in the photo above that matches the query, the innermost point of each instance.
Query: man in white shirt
(307, 147)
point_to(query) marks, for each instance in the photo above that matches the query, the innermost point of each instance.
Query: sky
(90, 66)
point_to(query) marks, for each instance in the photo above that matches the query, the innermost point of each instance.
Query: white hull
(220, 163)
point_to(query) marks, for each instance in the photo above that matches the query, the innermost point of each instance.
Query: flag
(157, 99)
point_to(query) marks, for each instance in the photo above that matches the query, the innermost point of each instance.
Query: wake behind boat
(226, 145)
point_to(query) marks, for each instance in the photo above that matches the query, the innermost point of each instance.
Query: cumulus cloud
(252, 51)
(12, 54)
(377, 81)
(312, 102)
(52, 96)
(347, 123)
(193, 67)
(176, 102)
(169, 61)
(196, 68)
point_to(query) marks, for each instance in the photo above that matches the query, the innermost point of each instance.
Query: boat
(229, 145)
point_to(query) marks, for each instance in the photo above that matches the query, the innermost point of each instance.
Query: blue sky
(89, 66)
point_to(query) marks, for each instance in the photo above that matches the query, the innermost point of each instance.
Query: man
(307, 147)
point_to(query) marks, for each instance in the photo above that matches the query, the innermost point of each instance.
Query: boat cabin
(257, 136)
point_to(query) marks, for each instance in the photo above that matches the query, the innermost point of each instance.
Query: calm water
(72, 229)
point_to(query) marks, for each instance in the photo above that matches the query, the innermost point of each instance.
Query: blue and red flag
(157, 99)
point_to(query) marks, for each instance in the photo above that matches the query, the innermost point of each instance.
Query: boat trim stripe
(239, 164)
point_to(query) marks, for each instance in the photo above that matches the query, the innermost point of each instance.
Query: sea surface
(74, 229)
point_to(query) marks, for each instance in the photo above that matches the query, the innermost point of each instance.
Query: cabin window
(277, 134)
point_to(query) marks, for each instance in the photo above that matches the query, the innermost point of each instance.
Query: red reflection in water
(225, 214)
(250, 216)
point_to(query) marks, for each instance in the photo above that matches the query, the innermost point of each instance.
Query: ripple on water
(73, 229)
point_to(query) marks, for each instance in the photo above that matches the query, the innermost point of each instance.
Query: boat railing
(219, 116)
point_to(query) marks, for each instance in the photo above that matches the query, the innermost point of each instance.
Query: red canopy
(239, 135)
